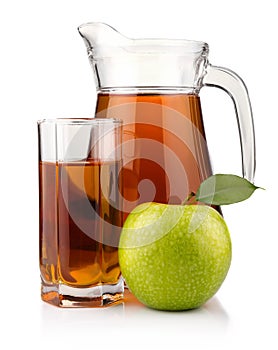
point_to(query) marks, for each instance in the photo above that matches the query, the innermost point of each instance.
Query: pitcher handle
(230, 82)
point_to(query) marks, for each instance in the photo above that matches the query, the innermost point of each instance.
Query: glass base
(98, 296)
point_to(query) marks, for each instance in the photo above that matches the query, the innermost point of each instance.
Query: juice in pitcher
(165, 156)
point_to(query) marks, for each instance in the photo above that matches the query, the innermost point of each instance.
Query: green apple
(174, 257)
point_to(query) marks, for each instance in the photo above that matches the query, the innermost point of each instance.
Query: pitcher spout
(99, 35)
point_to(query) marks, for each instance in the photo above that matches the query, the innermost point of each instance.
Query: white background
(44, 73)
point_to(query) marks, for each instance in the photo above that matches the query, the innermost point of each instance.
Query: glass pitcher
(153, 85)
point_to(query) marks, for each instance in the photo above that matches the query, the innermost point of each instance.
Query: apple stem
(188, 198)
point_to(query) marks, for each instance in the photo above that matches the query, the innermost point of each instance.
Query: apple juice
(79, 223)
(164, 148)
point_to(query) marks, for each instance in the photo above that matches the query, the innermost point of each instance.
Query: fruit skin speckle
(174, 257)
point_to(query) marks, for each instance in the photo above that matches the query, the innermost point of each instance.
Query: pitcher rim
(193, 46)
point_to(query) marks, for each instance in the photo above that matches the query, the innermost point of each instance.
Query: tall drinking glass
(80, 211)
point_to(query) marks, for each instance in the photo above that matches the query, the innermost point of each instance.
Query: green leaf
(221, 189)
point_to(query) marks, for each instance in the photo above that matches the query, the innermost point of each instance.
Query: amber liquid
(164, 147)
(78, 244)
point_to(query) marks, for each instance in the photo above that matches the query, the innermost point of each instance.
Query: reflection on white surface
(131, 324)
